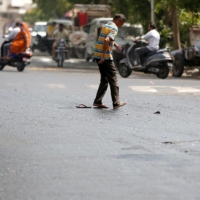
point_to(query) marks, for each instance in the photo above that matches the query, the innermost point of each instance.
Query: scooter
(156, 62)
(20, 61)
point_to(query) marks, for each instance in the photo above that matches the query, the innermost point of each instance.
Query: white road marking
(157, 89)
(186, 89)
(46, 59)
(56, 86)
(72, 61)
(143, 88)
(49, 59)
(168, 89)
(93, 86)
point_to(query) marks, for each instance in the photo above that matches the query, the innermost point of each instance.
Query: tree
(135, 11)
(172, 10)
(53, 8)
(170, 15)
(34, 15)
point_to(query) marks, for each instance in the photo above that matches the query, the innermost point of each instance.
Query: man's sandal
(82, 106)
(100, 105)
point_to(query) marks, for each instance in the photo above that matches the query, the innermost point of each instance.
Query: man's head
(119, 20)
(61, 26)
(152, 26)
(17, 24)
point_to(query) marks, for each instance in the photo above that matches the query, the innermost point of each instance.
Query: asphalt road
(51, 150)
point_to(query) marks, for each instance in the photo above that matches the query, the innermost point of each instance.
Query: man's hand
(118, 47)
(137, 39)
(101, 60)
(105, 48)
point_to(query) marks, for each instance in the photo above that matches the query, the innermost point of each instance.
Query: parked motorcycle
(20, 61)
(61, 52)
(156, 62)
(38, 43)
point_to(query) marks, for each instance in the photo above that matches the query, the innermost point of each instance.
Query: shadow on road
(43, 60)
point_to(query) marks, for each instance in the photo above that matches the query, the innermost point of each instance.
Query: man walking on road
(104, 59)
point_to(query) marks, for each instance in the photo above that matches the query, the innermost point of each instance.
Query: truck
(84, 18)
(76, 21)
(188, 57)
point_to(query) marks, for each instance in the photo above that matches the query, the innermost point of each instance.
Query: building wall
(4, 5)
(12, 11)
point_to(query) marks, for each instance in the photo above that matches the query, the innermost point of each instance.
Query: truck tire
(1, 66)
(178, 65)
(124, 70)
(72, 52)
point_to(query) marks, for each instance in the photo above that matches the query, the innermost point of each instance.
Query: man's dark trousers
(3, 53)
(108, 75)
(140, 52)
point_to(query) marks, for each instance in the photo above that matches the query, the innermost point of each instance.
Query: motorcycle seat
(154, 52)
(29, 54)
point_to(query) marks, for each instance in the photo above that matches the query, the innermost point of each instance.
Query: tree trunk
(175, 26)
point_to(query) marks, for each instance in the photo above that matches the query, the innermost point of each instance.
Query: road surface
(51, 150)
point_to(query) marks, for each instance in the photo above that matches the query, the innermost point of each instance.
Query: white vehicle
(39, 28)
(92, 37)
(126, 33)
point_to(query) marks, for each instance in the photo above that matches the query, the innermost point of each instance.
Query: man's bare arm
(119, 48)
(105, 48)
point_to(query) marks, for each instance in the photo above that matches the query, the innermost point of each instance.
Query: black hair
(119, 17)
(17, 24)
(152, 25)
(61, 24)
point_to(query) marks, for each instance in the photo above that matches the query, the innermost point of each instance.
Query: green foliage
(135, 12)
(34, 15)
(53, 8)
(188, 16)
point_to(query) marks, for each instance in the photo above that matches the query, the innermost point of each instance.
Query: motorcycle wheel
(178, 65)
(20, 67)
(60, 60)
(124, 70)
(164, 72)
(1, 67)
